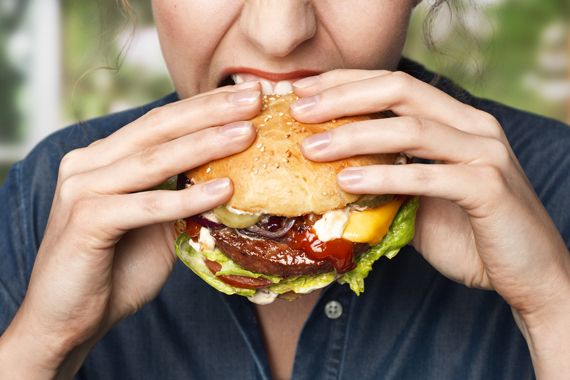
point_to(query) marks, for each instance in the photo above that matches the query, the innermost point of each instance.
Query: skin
(480, 222)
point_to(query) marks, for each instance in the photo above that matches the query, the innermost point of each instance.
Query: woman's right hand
(109, 243)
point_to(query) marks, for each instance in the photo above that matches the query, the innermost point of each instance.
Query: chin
(289, 229)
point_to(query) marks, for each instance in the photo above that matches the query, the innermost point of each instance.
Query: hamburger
(288, 228)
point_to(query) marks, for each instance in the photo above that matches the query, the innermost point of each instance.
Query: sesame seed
(209, 170)
(264, 166)
(262, 149)
(277, 165)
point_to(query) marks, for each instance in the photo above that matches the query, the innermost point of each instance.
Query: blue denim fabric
(411, 323)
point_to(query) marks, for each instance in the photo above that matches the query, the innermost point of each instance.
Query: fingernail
(244, 98)
(246, 85)
(237, 129)
(350, 176)
(305, 104)
(306, 82)
(317, 142)
(217, 186)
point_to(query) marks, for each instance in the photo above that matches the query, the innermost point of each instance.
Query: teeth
(266, 87)
(237, 79)
(283, 88)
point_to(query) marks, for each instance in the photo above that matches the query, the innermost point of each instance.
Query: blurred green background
(59, 59)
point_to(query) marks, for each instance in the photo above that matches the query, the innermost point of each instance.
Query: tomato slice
(235, 280)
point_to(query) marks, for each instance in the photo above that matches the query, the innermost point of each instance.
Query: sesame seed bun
(273, 177)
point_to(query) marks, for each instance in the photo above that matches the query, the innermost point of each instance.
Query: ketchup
(338, 251)
(192, 228)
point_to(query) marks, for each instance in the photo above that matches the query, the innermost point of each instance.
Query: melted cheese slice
(371, 225)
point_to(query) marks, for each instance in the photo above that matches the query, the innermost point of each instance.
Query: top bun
(273, 177)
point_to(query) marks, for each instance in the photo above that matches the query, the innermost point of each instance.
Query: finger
(152, 166)
(125, 212)
(400, 93)
(164, 124)
(415, 136)
(313, 85)
(468, 186)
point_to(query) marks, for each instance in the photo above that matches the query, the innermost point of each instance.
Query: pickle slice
(235, 220)
(373, 201)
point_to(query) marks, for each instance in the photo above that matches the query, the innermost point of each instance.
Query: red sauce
(192, 228)
(338, 251)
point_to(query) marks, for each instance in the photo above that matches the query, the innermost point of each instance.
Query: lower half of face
(206, 43)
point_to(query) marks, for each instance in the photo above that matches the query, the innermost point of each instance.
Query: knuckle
(422, 175)
(151, 157)
(71, 189)
(415, 128)
(157, 115)
(500, 153)
(401, 82)
(152, 205)
(490, 125)
(70, 162)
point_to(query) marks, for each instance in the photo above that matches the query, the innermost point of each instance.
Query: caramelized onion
(205, 222)
(267, 228)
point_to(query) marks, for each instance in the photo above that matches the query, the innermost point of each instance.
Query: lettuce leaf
(303, 284)
(195, 261)
(401, 232)
(229, 267)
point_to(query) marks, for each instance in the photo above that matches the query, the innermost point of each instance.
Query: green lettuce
(195, 261)
(229, 267)
(401, 232)
(303, 284)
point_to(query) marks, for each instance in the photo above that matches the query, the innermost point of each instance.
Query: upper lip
(275, 77)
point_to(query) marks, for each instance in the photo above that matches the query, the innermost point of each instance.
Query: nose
(277, 27)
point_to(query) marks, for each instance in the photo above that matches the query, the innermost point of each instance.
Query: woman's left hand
(480, 223)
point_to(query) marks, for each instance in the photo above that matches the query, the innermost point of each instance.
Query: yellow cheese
(371, 225)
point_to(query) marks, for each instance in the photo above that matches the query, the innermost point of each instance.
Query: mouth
(271, 83)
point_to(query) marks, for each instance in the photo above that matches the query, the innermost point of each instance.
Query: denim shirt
(410, 323)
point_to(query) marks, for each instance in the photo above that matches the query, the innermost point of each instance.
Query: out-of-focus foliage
(10, 78)
(97, 79)
(513, 51)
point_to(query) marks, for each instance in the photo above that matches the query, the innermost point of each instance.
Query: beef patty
(267, 256)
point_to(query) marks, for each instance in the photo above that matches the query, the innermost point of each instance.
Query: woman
(103, 248)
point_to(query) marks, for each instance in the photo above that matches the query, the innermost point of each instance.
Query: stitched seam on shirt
(346, 337)
(24, 222)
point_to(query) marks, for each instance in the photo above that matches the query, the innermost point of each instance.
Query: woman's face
(204, 42)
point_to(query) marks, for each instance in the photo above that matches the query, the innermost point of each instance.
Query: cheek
(371, 37)
(189, 33)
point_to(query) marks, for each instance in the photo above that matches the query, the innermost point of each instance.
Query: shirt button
(333, 309)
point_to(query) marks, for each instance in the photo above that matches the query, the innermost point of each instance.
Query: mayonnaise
(332, 224)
